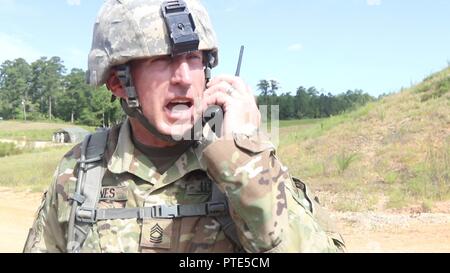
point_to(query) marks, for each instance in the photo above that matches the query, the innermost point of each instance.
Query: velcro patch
(199, 187)
(114, 193)
(157, 233)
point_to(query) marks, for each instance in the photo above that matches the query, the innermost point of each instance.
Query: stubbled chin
(177, 128)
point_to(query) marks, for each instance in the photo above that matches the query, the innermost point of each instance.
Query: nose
(181, 73)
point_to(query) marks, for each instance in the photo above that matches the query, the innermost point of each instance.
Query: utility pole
(50, 107)
(24, 110)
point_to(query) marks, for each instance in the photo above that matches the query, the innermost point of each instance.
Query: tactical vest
(84, 212)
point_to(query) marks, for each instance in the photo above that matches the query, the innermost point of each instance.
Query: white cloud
(373, 2)
(74, 2)
(295, 47)
(12, 47)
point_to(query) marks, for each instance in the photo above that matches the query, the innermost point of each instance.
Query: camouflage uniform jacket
(270, 212)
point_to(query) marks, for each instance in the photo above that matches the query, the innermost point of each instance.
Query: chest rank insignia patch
(157, 233)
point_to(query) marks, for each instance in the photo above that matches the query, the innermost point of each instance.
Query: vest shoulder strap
(84, 201)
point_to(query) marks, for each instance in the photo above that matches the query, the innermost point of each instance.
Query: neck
(145, 137)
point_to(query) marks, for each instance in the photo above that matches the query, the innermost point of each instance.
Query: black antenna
(238, 69)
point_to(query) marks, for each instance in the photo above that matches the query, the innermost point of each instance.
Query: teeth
(180, 101)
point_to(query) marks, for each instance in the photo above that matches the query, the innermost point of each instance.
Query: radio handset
(213, 115)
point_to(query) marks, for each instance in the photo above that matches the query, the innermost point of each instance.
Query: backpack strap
(91, 169)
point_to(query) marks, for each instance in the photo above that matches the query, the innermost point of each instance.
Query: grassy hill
(388, 154)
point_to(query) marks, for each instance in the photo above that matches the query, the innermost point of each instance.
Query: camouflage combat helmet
(133, 29)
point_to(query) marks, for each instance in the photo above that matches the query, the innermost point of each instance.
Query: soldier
(138, 187)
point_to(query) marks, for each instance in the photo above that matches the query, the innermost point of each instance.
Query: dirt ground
(406, 231)
(16, 213)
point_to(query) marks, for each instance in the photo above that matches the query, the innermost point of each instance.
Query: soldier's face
(167, 88)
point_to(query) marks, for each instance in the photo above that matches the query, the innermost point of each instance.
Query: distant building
(70, 135)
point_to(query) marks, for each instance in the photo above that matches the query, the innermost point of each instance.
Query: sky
(378, 46)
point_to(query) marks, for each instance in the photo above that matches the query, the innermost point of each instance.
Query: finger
(227, 89)
(217, 98)
(236, 82)
(227, 78)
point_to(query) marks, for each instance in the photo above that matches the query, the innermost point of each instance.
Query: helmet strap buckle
(124, 75)
(181, 27)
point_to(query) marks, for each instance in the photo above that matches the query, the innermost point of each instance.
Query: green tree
(274, 87)
(268, 94)
(15, 77)
(101, 111)
(73, 99)
(47, 82)
(287, 106)
(264, 87)
(301, 103)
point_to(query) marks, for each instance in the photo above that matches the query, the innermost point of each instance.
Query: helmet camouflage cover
(134, 29)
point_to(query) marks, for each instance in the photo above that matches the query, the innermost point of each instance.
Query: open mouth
(179, 104)
(179, 108)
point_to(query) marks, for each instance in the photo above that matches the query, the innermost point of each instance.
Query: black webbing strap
(85, 199)
(162, 211)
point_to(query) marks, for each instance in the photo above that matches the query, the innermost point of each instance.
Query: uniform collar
(126, 158)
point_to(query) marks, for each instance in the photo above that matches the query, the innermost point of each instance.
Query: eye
(195, 56)
(159, 59)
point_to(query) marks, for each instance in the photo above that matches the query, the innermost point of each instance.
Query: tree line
(309, 102)
(43, 90)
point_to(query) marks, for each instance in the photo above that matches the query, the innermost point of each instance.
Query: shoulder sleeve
(48, 233)
(265, 205)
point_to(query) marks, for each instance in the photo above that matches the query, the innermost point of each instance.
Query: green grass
(298, 122)
(33, 131)
(344, 160)
(8, 149)
(435, 86)
(427, 205)
(30, 171)
(34, 135)
(348, 205)
(390, 177)
(397, 199)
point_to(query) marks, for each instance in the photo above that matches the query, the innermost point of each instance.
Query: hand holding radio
(235, 99)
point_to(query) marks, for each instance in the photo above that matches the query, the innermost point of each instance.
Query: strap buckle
(124, 75)
(181, 27)
(86, 215)
(165, 211)
(215, 208)
(77, 198)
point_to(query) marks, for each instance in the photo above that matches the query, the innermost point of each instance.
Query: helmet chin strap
(137, 113)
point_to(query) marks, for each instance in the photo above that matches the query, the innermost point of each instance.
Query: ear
(114, 85)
